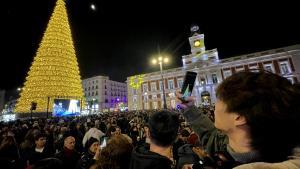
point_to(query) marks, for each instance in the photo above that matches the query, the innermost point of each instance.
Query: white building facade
(211, 71)
(103, 94)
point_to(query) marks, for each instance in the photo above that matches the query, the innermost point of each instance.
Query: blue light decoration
(66, 107)
(178, 107)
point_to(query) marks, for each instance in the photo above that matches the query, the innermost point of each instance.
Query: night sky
(119, 37)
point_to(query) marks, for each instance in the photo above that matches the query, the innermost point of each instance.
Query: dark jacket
(9, 156)
(34, 156)
(69, 158)
(142, 158)
(86, 161)
(178, 143)
(186, 156)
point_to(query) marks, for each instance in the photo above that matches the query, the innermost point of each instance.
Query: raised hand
(187, 102)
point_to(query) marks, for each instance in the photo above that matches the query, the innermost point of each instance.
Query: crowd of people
(76, 141)
(254, 125)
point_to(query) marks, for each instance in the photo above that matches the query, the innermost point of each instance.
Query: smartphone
(188, 85)
(103, 142)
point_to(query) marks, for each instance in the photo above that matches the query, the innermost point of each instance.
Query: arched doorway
(205, 98)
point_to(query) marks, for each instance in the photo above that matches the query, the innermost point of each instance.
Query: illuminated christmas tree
(54, 73)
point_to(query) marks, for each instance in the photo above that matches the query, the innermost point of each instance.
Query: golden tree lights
(54, 73)
(136, 81)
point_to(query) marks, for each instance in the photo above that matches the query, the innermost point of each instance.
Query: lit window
(145, 87)
(134, 99)
(180, 83)
(214, 78)
(155, 105)
(171, 84)
(239, 69)
(285, 68)
(153, 86)
(254, 68)
(134, 92)
(160, 85)
(227, 73)
(145, 105)
(269, 67)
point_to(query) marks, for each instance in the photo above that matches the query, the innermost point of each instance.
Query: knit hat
(90, 141)
(67, 134)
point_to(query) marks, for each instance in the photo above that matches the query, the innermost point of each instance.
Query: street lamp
(160, 60)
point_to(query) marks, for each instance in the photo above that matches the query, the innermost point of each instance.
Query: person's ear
(239, 120)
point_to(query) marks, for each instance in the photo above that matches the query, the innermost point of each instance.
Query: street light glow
(93, 7)
(19, 89)
(161, 60)
(166, 60)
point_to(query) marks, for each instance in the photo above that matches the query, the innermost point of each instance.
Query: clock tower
(196, 41)
(199, 56)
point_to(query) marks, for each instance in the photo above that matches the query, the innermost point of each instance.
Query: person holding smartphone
(91, 154)
(188, 85)
(257, 117)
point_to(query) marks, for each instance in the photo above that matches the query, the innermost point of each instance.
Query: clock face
(197, 43)
(194, 28)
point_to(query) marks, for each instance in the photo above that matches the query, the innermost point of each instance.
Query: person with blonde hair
(116, 154)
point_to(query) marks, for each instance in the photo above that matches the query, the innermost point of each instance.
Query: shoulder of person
(289, 164)
(85, 157)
